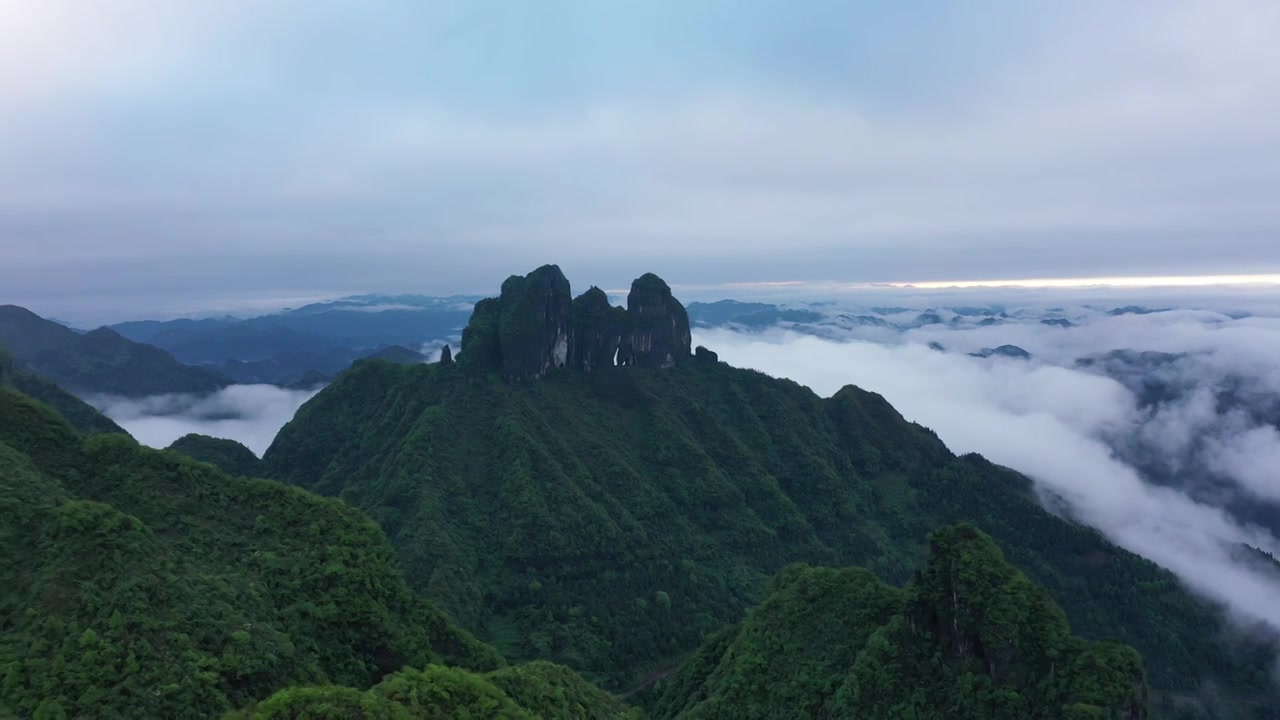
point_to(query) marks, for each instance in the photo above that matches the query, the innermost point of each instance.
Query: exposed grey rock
(659, 334)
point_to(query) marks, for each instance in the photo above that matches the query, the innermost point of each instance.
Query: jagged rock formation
(659, 324)
(598, 328)
(705, 355)
(533, 327)
(446, 355)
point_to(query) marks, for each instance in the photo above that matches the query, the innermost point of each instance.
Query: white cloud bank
(1076, 432)
(249, 414)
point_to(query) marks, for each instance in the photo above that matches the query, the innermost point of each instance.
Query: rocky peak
(659, 334)
(534, 327)
(446, 355)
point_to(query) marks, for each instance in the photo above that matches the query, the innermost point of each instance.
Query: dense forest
(139, 583)
(969, 638)
(82, 416)
(228, 456)
(610, 520)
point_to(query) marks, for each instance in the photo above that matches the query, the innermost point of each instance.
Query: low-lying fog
(250, 414)
(1172, 450)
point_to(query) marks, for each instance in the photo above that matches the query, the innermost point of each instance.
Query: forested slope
(139, 583)
(82, 416)
(229, 456)
(969, 638)
(611, 519)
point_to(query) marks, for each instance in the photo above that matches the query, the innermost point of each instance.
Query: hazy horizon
(157, 155)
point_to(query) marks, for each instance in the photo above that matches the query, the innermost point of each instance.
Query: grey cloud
(1092, 153)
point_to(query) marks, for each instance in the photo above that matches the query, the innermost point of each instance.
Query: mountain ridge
(696, 481)
(100, 361)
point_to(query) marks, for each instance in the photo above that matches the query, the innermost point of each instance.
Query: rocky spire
(659, 333)
(446, 355)
(534, 327)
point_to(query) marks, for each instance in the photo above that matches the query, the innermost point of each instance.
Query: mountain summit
(535, 326)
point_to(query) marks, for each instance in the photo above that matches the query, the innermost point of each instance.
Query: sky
(157, 154)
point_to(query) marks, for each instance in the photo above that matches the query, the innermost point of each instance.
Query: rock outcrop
(534, 327)
(446, 355)
(598, 328)
(659, 334)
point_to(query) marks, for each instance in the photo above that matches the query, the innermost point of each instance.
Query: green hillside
(101, 361)
(969, 638)
(228, 456)
(82, 416)
(140, 583)
(611, 519)
(522, 692)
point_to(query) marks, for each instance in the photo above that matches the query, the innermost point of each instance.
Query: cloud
(1252, 458)
(249, 414)
(1176, 479)
(322, 145)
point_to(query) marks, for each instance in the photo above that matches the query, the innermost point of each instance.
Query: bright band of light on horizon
(1136, 281)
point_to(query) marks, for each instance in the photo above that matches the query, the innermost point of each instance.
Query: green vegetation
(526, 692)
(82, 416)
(609, 521)
(142, 584)
(399, 354)
(100, 361)
(969, 638)
(228, 456)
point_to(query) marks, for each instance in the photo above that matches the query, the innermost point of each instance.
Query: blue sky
(160, 154)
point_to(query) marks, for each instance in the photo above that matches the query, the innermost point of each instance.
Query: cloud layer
(249, 414)
(1182, 470)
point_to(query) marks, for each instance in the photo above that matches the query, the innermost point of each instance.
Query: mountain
(581, 487)
(282, 347)
(97, 362)
(399, 354)
(228, 456)
(289, 368)
(969, 637)
(82, 416)
(747, 315)
(140, 583)
(1008, 351)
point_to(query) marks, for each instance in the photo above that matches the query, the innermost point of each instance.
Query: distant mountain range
(302, 348)
(97, 362)
(322, 338)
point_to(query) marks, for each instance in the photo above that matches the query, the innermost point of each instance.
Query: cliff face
(534, 327)
(659, 324)
(598, 328)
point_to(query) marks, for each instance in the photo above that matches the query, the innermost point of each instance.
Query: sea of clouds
(1174, 454)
